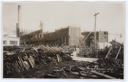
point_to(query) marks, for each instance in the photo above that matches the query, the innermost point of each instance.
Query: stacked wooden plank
(28, 58)
(18, 62)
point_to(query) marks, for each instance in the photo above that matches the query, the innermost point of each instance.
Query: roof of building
(9, 36)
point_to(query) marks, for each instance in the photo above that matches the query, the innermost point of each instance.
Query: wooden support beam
(58, 58)
(108, 52)
(103, 75)
(118, 53)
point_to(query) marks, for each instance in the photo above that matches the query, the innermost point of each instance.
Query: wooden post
(108, 52)
(118, 53)
(58, 57)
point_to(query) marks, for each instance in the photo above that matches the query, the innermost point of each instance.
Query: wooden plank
(103, 75)
(58, 57)
(118, 53)
(108, 52)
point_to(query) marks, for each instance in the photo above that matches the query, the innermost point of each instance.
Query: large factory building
(68, 36)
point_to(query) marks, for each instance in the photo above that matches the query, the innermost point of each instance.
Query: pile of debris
(55, 62)
(19, 61)
(76, 70)
(111, 66)
(100, 69)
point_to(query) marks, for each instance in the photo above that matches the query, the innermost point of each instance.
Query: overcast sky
(56, 15)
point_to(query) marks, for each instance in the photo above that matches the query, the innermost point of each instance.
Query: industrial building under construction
(68, 36)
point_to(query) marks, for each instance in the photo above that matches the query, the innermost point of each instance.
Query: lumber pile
(27, 58)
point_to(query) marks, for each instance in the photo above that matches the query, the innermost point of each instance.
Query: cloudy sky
(56, 15)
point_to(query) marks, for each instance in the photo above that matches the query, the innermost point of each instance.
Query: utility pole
(95, 40)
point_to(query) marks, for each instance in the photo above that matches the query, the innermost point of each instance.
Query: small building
(11, 40)
(101, 39)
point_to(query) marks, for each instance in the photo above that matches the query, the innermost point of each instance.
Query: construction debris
(28, 58)
(53, 62)
(103, 75)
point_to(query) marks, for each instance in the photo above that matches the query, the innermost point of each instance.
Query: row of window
(11, 42)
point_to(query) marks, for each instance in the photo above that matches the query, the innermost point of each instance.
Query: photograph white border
(63, 80)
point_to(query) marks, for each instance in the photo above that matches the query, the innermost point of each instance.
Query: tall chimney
(41, 28)
(17, 24)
